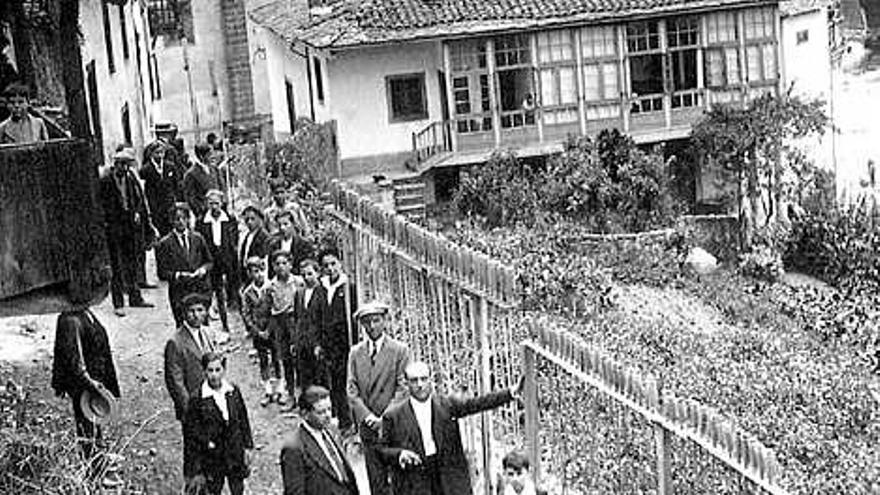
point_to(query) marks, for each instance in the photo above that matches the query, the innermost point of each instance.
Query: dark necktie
(335, 458)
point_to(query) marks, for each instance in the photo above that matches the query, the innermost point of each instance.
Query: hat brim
(99, 406)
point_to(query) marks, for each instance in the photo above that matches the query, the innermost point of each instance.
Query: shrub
(762, 263)
(500, 192)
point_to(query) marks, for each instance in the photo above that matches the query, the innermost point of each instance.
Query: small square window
(803, 36)
(406, 97)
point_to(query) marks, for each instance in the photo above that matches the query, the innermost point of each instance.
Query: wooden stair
(409, 198)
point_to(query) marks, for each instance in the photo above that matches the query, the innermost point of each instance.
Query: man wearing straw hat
(82, 369)
(376, 379)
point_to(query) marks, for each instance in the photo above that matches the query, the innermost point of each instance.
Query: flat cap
(372, 308)
(125, 154)
(195, 298)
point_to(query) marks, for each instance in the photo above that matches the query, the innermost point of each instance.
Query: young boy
(338, 329)
(311, 302)
(282, 293)
(255, 311)
(516, 478)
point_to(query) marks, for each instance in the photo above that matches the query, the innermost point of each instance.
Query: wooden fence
(458, 309)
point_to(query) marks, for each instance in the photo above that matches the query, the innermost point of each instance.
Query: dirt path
(154, 456)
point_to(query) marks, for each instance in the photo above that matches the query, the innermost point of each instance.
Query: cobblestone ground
(154, 450)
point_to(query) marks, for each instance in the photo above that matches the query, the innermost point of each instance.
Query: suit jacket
(224, 256)
(259, 247)
(161, 190)
(306, 470)
(400, 430)
(196, 182)
(213, 445)
(335, 317)
(255, 309)
(300, 249)
(120, 216)
(309, 331)
(172, 258)
(68, 369)
(373, 384)
(183, 369)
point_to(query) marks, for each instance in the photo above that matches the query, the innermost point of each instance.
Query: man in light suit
(420, 436)
(312, 461)
(184, 373)
(376, 379)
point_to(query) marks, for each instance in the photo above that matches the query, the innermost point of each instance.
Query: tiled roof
(795, 7)
(363, 22)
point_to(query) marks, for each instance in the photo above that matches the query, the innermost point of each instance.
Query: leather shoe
(142, 304)
(119, 312)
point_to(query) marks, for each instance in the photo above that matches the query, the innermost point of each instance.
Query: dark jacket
(309, 319)
(123, 220)
(305, 470)
(224, 256)
(400, 430)
(255, 309)
(335, 316)
(172, 258)
(259, 247)
(196, 182)
(68, 374)
(161, 190)
(212, 445)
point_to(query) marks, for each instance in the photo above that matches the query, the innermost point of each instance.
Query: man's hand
(200, 272)
(373, 422)
(408, 458)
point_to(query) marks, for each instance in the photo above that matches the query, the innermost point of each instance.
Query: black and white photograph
(439, 247)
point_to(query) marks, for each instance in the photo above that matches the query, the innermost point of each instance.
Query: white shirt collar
(331, 287)
(210, 218)
(219, 396)
(376, 343)
(528, 488)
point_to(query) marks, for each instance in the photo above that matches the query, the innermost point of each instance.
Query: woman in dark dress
(216, 434)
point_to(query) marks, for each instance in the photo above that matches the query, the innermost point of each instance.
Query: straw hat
(372, 308)
(98, 406)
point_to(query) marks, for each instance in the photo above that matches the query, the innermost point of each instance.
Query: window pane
(407, 100)
(598, 42)
(714, 68)
(684, 69)
(549, 95)
(731, 56)
(647, 74)
(609, 78)
(753, 62)
(567, 85)
(769, 61)
(591, 82)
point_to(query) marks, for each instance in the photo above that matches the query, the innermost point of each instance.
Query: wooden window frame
(108, 36)
(123, 32)
(421, 115)
(319, 79)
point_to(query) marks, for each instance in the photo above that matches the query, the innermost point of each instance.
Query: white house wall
(807, 64)
(122, 86)
(358, 101)
(210, 86)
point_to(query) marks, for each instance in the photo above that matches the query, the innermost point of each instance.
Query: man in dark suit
(184, 373)
(308, 306)
(161, 177)
(375, 380)
(420, 437)
(289, 241)
(184, 261)
(125, 217)
(339, 329)
(256, 241)
(220, 230)
(312, 461)
(201, 177)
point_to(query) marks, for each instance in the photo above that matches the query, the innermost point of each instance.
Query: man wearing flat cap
(125, 217)
(184, 373)
(376, 380)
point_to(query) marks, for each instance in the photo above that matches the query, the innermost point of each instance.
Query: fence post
(482, 321)
(661, 443)
(530, 397)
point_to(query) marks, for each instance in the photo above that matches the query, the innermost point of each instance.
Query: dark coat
(197, 182)
(255, 311)
(305, 470)
(309, 319)
(259, 247)
(335, 327)
(171, 258)
(400, 430)
(213, 446)
(300, 249)
(224, 256)
(123, 222)
(68, 375)
(183, 369)
(161, 190)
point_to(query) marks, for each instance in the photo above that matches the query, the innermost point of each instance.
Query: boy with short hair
(516, 478)
(255, 311)
(282, 293)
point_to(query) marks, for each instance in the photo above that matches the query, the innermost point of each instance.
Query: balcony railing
(432, 140)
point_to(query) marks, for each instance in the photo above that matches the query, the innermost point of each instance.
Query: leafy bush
(307, 157)
(608, 185)
(762, 263)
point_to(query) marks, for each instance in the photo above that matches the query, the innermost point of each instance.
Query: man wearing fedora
(184, 373)
(376, 379)
(82, 369)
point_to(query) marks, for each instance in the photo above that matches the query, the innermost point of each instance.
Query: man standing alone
(375, 379)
